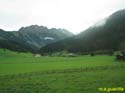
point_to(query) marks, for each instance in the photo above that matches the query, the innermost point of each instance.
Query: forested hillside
(105, 38)
(31, 38)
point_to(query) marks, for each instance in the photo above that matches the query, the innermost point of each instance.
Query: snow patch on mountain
(49, 38)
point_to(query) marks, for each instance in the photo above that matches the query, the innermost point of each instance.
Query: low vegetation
(24, 73)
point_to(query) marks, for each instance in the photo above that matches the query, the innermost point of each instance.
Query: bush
(92, 54)
(120, 55)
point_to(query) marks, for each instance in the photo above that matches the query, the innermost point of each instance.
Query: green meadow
(24, 73)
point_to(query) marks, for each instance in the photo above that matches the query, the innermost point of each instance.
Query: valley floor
(23, 73)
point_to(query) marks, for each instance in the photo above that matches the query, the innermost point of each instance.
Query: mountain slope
(107, 37)
(33, 36)
(12, 45)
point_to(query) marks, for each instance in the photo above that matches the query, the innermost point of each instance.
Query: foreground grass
(14, 65)
(23, 73)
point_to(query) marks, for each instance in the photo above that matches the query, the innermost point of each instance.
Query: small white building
(37, 55)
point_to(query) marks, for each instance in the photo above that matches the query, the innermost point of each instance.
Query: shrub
(120, 55)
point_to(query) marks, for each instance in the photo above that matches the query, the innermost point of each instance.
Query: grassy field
(24, 73)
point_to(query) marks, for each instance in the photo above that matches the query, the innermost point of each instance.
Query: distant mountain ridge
(108, 37)
(32, 37)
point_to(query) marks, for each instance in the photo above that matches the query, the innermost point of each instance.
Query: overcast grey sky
(73, 15)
